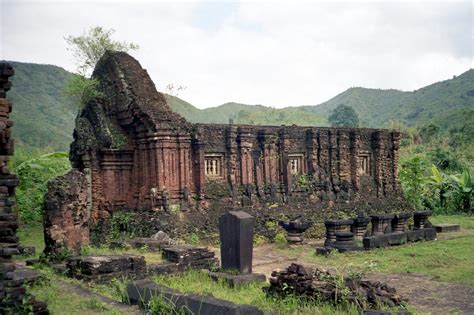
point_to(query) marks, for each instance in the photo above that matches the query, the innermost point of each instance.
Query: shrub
(35, 169)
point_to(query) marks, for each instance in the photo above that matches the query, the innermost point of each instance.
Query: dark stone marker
(236, 235)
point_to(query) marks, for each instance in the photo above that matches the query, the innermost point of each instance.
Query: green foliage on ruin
(35, 169)
(87, 49)
(81, 90)
(119, 140)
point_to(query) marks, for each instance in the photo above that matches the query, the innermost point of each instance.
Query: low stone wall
(204, 224)
(105, 268)
(141, 292)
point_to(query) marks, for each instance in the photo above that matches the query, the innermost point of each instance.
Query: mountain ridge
(44, 118)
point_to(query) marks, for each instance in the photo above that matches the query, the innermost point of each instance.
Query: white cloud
(273, 53)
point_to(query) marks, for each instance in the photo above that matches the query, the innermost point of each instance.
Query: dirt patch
(430, 296)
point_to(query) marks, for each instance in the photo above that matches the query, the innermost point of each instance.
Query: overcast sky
(271, 53)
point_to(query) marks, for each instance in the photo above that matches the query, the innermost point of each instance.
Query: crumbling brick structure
(137, 153)
(13, 295)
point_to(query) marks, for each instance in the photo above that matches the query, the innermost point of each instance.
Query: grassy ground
(61, 301)
(58, 292)
(449, 258)
(199, 282)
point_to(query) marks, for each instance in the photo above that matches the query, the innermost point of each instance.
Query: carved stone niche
(214, 165)
(296, 164)
(364, 163)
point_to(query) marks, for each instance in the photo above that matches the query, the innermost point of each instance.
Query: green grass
(61, 301)
(449, 258)
(251, 294)
(466, 222)
(32, 235)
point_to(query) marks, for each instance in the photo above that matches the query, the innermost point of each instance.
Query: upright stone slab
(236, 235)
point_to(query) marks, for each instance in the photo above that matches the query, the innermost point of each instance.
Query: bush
(35, 169)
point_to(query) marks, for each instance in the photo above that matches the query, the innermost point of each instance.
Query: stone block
(236, 236)
(183, 254)
(376, 241)
(140, 292)
(104, 268)
(415, 235)
(429, 234)
(447, 228)
(397, 238)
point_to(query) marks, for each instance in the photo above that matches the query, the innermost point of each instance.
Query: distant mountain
(434, 102)
(43, 117)
(41, 114)
(217, 115)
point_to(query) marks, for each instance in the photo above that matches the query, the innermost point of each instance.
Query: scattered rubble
(321, 285)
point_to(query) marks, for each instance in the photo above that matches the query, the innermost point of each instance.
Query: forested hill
(436, 102)
(41, 114)
(43, 118)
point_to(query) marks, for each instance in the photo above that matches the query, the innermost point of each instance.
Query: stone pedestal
(236, 235)
(420, 218)
(400, 222)
(345, 242)
(295, 229)
(359, 228)
(381, 223)
(333, 226)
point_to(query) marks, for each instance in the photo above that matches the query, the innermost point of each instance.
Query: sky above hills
(285, 53)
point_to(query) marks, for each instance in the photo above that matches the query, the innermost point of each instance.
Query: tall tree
(343, 116)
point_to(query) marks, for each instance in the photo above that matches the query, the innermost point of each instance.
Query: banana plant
(465, 188)
(439, 182)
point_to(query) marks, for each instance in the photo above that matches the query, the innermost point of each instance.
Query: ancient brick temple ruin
(13, 296)
(135, 152)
